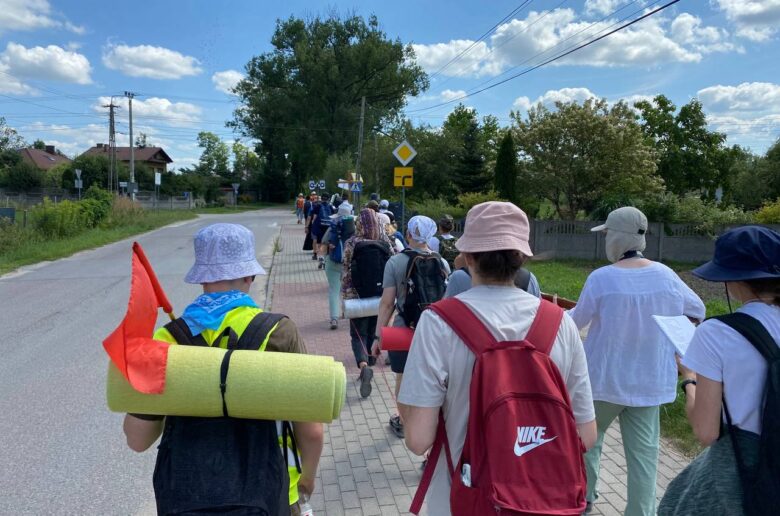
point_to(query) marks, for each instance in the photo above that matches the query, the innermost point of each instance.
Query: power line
(551, 60)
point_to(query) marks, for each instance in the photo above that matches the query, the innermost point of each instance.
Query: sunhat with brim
(626, 220)
(495, 226)
(223, 252)
(744, 253)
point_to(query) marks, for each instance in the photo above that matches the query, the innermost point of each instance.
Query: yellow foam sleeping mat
(260, 385)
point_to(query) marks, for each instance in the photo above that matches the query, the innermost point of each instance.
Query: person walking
(299, 206)
(320, 221)
(731, 407)
(442, 368)
(632, 368)
(342, 227)
(365, 256)
(247, 451)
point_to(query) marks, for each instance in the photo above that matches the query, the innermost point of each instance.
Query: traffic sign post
(403, 176)
(356, 189)
(235, 194)
(79, 184)
(157, 183)
(312, 185)
(322, 184)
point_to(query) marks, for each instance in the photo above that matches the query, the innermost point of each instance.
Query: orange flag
(140, 358)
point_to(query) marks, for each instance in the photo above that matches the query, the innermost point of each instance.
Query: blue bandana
(209, 310)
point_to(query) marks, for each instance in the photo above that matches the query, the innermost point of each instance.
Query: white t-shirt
(721, 354)
(438, 370)
(630, 361)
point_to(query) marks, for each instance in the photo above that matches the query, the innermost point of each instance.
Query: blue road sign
(356, 187)
(312, 185)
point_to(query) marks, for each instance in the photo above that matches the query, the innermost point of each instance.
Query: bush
(124, 212)
(13, 235)
(469, 200)
(58, 220)
(434, 208)
(99, 203)
(769, 213)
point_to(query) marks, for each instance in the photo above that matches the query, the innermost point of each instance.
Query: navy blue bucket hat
(744, 253)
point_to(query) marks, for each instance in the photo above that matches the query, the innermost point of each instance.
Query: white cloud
(161, 111)
(602, 7)
(31, 15)
(474, 63)
(149, 61)
(448, 95)
(550, 97)
(749, 97)
(542, 35)
(756, 20)
(226, 81)
(51, 63)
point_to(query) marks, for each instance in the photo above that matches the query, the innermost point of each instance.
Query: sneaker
(588, 507)
(396, 426)
(366, 374)
(314, 257)
(372, 361)
(334, 324)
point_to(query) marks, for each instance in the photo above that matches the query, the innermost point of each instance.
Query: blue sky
(61, 60)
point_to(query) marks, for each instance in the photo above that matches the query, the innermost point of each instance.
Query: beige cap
(626, 220)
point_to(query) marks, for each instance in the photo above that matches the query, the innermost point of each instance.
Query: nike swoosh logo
(522, 450)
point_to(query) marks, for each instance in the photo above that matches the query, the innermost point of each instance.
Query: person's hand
(684, 371)
(376, 349)
(306, 484)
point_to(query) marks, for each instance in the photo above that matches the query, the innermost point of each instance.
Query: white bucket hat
(223, 252)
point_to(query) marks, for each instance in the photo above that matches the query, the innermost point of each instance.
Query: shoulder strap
(465, 324)
(755, 333)
(182, 335)
(258, 329)
(439, 442)
(544, 329)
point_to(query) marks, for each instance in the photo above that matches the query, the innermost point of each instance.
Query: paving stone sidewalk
(365, 469)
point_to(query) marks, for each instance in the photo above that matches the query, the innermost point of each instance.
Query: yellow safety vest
(238, 319)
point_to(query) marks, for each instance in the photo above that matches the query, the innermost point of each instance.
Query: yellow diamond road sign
(404, 153)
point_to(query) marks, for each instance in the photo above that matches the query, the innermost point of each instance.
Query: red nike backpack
(522, 451)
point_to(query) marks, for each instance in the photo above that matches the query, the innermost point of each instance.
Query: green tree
(9, 138)
(690, 157)
(215, 159)
(462, 130)
(770, 171)
(140, 140)
(39, 144)
(23, 177)
(94, 171)
(506, 169)
(302, 99)
(578, 154)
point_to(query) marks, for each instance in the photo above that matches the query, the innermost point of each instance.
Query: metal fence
(147, 200)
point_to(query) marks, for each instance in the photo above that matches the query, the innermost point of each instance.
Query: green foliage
(769, 213)
(53, 177)
(463, 130)
(9, 138)
(467, 201)
(94, 170)
(577, 154)
(302, 99)
(13, 235)
(435, 208)
(58, 220)
(506, 169)
(23, 177)
(215, 157)
(39, 144)
(97, 204)
(124, 212)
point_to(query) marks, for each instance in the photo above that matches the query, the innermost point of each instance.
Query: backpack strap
(258, 329)
(544, 329)
(465, 324)
(439, 442)
(182, 335)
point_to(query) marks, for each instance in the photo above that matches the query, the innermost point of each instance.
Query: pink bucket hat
(495, 226)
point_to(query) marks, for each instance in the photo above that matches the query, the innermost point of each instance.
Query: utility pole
(360, 143)
(111, 145)
(130, 95)
(376, 168)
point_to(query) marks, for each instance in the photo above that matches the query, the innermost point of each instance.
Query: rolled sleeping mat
(397, 339)
(357, 308)
(260, 385)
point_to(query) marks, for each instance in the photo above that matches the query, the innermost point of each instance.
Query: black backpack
(221, 464)
(368, 267)
(761, 484)
(426, 282)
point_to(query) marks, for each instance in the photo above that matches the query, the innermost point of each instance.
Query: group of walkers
(497, 389)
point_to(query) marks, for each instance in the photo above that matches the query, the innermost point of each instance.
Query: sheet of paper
(677, 329)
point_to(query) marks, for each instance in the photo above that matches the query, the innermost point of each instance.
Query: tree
(9, 138)
(302, 99)
(576, 155)
(690, 157)
(506, 169)
(140, 140)
(462, 130)
(39, 144)
(770, 171)
(94, 171)
(23, 177)
(215, 159)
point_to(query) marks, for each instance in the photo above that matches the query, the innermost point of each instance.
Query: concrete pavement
(365, 469)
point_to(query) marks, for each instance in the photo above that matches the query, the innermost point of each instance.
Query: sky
(61, 61)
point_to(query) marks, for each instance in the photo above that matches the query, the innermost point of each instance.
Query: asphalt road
(61, 450)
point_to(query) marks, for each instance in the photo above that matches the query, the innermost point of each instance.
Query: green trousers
(640, 428)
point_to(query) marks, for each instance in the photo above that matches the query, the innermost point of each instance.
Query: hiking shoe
(366, 374)
(396, 426)
(334, 324)
(314, 257)
(588, 507)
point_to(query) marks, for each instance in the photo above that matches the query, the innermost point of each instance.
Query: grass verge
(566, 278)
(224, 210)
(35, 251)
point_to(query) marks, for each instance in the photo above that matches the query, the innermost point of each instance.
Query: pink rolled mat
(397, 339)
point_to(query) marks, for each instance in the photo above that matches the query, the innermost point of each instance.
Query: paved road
(61, 450)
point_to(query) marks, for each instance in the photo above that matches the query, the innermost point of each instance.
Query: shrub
(58, 220)
(100, 202)
(124, 212)
(467, 201)
(434, 208)
(769, 213)
(13, 235)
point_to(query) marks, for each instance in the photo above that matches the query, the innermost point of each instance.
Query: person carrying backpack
(299, 205)
(320, 223)
(413, 280)
(260, 468)
(496, 385)
(342, 227)
(444, 242)
(364, 259)
(731, 383)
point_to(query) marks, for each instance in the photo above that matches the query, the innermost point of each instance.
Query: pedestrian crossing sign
(356, 187)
